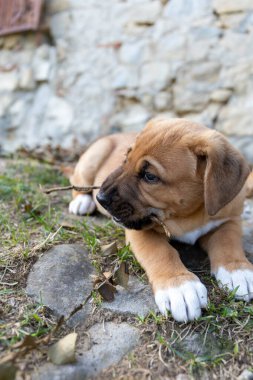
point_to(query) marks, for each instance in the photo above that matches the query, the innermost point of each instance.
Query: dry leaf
(63, 352)
(107, 275)
(67, 224)
(7, 371)
(97, 279)
(107, 290)
(121, 276)
(109, 249)
(28, 341)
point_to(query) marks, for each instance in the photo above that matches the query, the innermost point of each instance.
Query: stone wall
(111, 65)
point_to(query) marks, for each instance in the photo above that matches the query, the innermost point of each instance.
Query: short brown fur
(202, 179)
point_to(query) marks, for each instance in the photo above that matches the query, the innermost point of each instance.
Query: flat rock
(61, 280)
(204, 346)
(138, 299)
(246, 375)
(103, 345)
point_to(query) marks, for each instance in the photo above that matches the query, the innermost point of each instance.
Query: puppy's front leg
(175, 288)
(228, 262)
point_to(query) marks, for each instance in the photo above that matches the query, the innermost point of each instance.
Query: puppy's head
(174, 168)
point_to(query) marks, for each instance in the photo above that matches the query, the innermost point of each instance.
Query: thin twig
(84, 189)
(157, 220)
(161, 357)
(50, 237)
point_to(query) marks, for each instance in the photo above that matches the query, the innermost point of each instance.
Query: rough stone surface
(180, 58)
(230, 6)
(246, 375)
(105, 345)
(208, 346)
(137, 299)
(61, 280)
(243, 144)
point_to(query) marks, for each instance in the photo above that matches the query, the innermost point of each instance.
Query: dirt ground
(217, 346)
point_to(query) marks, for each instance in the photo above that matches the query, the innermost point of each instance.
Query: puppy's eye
(150, 178)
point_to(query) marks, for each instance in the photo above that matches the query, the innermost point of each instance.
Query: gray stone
(200, 41)
(61, 280)
(55, 6)
(42, 63)
(124, 77)
(163, 101)
(132, 117)
(138, 299)
(181, 10)
(26, 78)
(182, 376)
(221, 95)
(59, 116)
(5, 101)
(235, 118)
(244, 144)
(155, 75)
(11, 41)
(207, 116)
(231, 20)
(201, 345)
(8, 81)
(41, 70)
(237, 77)
(104, 345)
(246, 375)
(134, 53)
(243, 43)
(146, 100)
(145, 12)
(231, 6)
(43, 51)
(205, 74)
(17, 112)
(172, 46)
(60, 24)
(62, 49)
(190, 99)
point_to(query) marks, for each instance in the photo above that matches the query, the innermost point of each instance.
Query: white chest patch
(192, 236)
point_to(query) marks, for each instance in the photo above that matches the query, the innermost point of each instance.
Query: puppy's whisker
(157, 220)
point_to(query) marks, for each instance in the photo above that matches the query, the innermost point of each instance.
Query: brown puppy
(191, 179)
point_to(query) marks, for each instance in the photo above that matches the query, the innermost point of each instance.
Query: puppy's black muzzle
(104, 200)
(112, 202)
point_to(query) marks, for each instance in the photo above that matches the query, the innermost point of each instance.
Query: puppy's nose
(103, 199)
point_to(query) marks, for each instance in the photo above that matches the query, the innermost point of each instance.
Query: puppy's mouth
(123, 213)
(134, 224)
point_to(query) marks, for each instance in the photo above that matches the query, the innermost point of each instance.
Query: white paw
(184, 302)
(82, 204)
(241, 278)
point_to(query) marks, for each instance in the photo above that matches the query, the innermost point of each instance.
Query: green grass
(29, 220)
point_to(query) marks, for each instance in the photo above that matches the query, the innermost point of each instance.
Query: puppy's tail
(249, 185)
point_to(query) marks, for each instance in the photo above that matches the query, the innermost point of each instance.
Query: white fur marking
(192, 236)
(184, 302)
(241, 278)
(82, 204)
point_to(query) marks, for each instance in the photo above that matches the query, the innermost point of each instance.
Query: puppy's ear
(225, 172)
